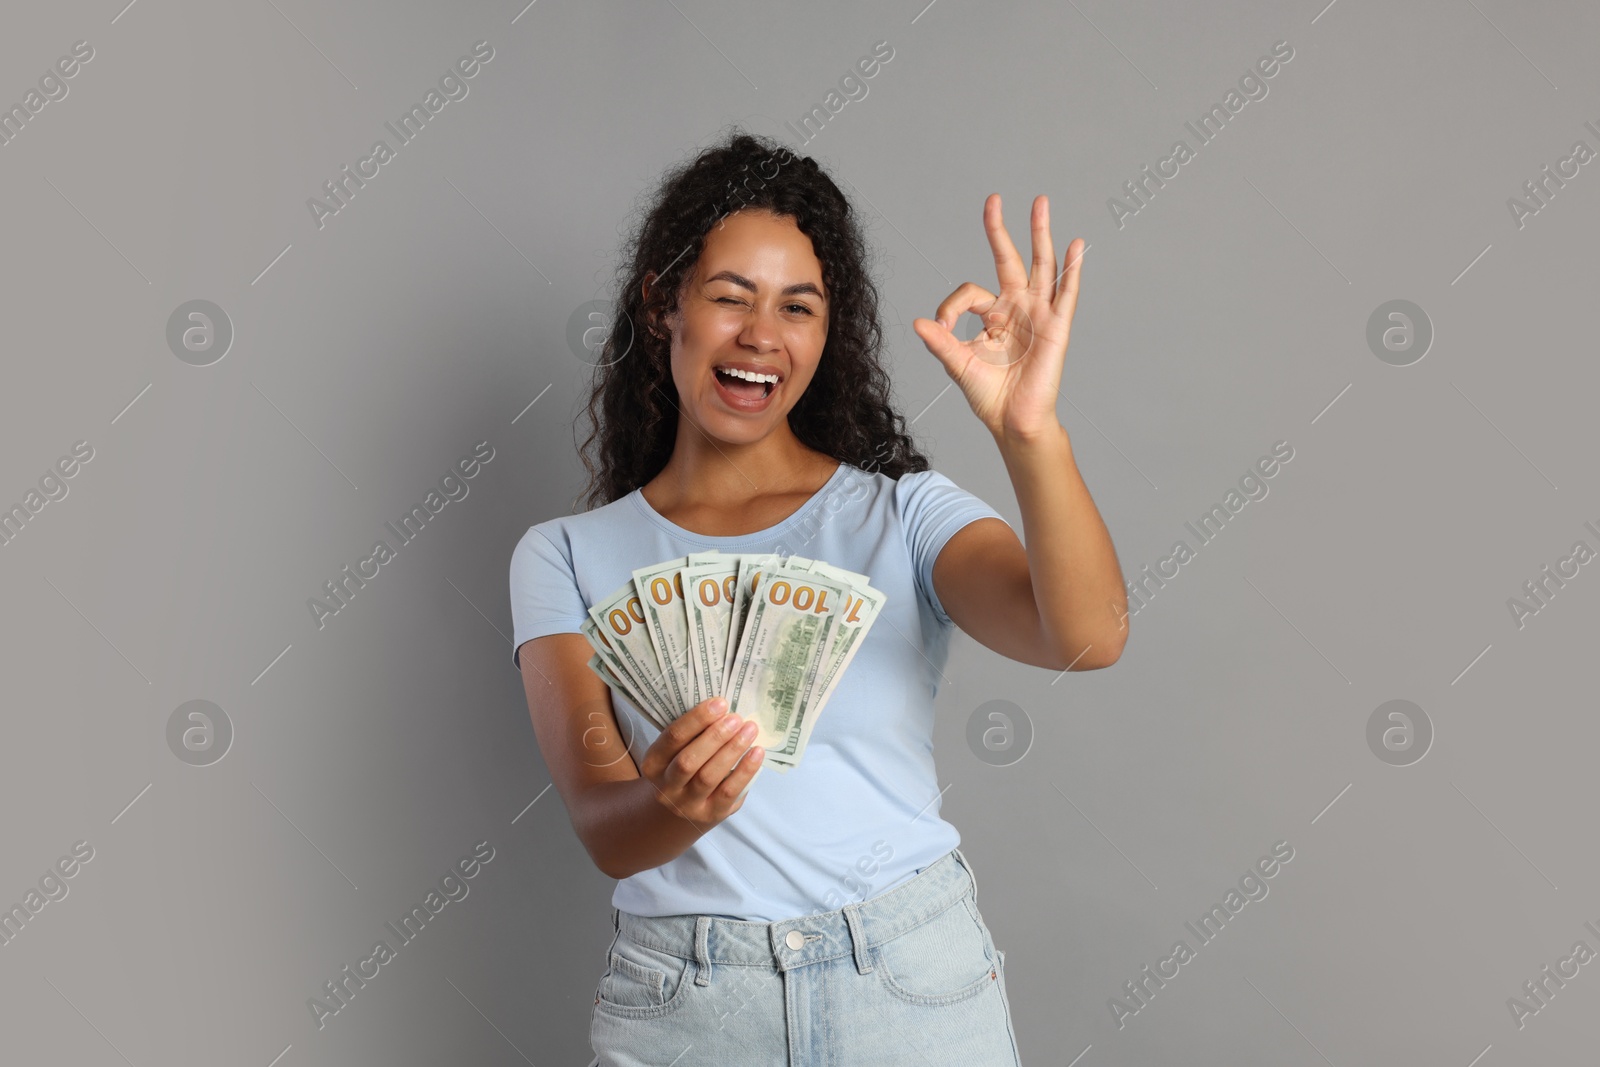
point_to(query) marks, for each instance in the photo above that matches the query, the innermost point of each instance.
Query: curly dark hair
(845, 411)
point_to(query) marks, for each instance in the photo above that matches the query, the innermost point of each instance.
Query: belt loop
(702, 955)
(971, 874)
(858, 937)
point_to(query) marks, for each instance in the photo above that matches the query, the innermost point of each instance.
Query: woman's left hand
(1011, 371)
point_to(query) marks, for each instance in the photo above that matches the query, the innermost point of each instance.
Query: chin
(738, 429)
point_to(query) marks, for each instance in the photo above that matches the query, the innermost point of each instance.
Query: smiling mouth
(744, 387)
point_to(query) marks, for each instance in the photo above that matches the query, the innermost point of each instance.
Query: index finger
(687, 727)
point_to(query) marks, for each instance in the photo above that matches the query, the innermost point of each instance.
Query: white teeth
(749, 376)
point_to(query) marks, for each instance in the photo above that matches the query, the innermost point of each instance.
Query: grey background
(1228, 314)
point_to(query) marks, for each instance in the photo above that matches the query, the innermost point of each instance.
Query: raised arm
(1059, 602)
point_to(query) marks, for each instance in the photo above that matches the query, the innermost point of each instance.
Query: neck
(703, 469)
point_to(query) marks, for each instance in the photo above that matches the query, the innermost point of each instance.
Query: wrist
(1050, 435)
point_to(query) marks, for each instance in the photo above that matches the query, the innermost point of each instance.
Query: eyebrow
(741, 280)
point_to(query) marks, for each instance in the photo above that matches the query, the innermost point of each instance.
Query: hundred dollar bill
(850, 579)
(861, 608)
(598, 664)
(620, 619)
(750, 564)
(660, 589)
(612, 672)
(791, 620)
(776, 651)
(708, 589)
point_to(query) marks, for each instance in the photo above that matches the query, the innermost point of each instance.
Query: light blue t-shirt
(860, 814)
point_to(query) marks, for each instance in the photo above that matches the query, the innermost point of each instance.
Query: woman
(824, 915)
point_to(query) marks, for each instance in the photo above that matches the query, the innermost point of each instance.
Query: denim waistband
(807, 939)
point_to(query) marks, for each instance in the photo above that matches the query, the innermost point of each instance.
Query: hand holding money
(772, 633)
(703, 763)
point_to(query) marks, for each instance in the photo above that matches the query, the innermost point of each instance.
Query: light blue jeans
(909, 976)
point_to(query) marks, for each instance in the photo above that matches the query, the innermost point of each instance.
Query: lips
(746, 386)
(741, 394)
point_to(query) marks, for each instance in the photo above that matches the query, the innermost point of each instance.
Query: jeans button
(795, 940)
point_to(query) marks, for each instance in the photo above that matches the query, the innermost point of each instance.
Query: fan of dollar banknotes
(773, 634)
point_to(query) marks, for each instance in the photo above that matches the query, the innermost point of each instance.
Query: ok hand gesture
(1010, 373)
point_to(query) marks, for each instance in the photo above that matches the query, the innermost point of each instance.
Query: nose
(760, 329)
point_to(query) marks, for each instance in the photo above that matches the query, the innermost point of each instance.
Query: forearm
(1077, 581)
(627, 829)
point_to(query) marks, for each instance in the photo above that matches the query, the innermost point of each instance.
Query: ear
(652, 323)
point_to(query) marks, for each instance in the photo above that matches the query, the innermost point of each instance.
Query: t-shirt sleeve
(932, 508)
(544, 590)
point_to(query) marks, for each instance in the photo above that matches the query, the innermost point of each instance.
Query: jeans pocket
(641, 982)
(946, 959)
